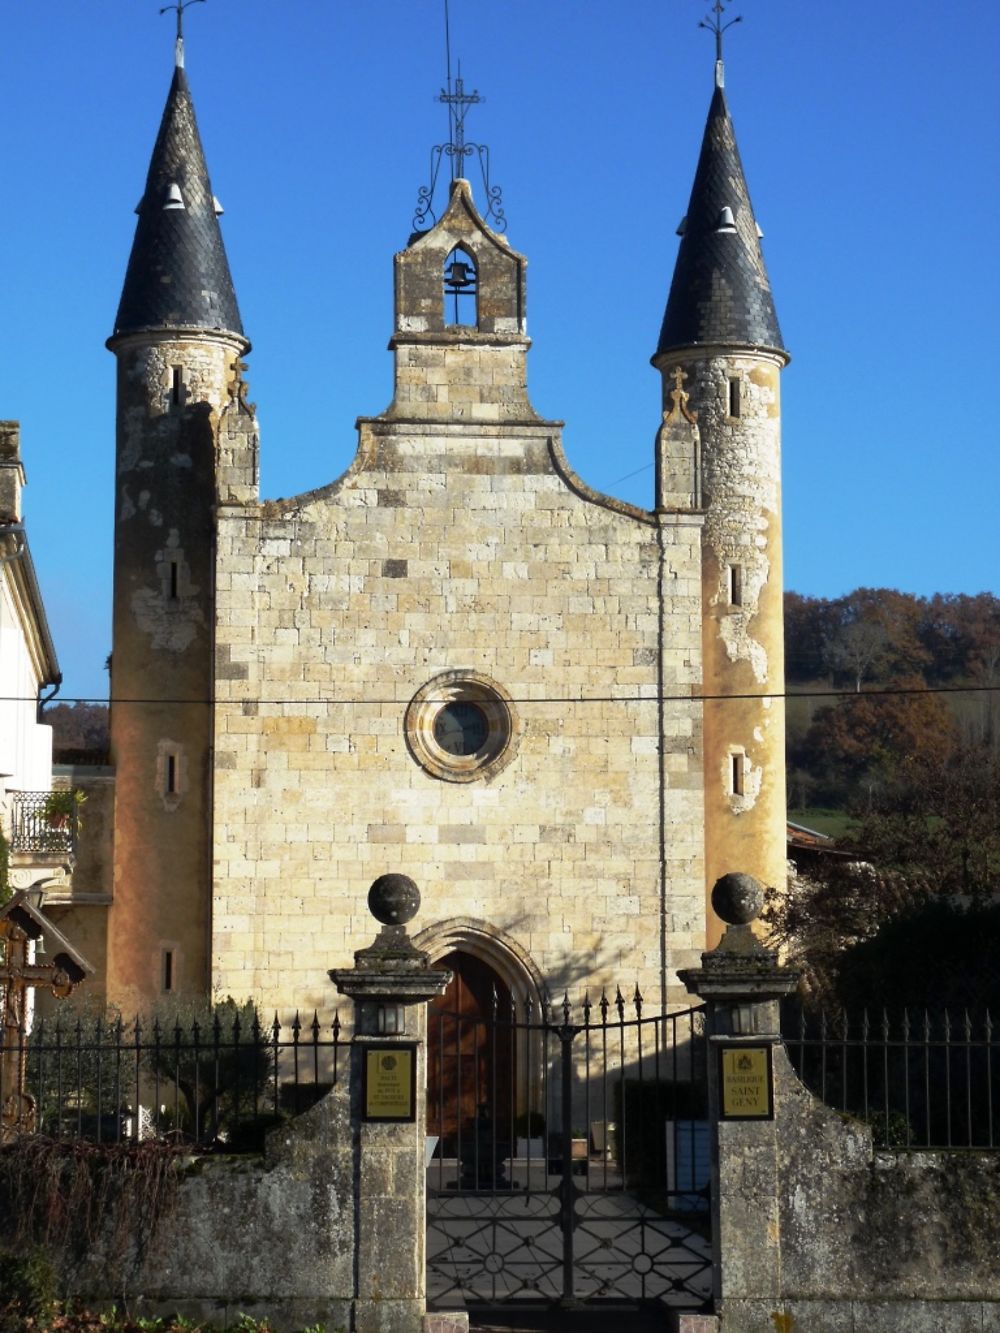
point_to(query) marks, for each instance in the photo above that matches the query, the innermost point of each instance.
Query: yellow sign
(745, 1085)
(390, 1083)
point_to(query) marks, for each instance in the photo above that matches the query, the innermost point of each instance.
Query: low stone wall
(885, 1242)
(272, 1235)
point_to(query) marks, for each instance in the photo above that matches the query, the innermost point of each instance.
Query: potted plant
(62, 806)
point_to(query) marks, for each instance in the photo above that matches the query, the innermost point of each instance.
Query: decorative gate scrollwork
(570, 1156)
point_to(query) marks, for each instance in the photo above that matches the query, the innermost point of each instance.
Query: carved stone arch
(513, 964)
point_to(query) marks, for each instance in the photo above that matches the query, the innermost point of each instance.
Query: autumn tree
(864, 741)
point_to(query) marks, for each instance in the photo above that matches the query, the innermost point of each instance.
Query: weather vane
(716, 25)
(180, 7)
(457, 149)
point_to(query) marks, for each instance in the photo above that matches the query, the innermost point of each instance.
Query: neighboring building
(559, 713)
(38, 852)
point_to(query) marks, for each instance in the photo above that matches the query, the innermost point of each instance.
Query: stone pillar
(742, 983)
(390, 984)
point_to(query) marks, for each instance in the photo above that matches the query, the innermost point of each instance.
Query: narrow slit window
(735, 397)
(168, 970)
(177, 385)
(461, 289)
(735, 579)
(738, 773)
(174, 580)
(171, 778)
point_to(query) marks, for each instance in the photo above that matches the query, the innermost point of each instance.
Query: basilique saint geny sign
(746, 1083)
(389, 1083)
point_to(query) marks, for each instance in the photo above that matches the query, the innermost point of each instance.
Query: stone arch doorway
(471, 1058)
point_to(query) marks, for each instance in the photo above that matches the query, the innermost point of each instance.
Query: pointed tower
(721, 354)
(186, 440)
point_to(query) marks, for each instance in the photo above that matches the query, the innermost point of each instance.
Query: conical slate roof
(178, 275)
(720, 291)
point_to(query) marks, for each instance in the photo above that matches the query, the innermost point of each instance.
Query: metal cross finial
(458, 101)
(717, 26)
(180, 7)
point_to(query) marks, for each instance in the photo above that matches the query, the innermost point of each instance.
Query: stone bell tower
(721, 354)
(186, 440)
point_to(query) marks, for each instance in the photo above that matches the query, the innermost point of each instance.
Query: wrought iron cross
(180, 6)
(717, 26)
(17, 977)
(458, 103)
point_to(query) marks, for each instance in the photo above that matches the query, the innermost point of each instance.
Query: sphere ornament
(393, 899)
(736, 898)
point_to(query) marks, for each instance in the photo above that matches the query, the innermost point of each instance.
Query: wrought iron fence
(217, 1084)
(920, 1078)
(42, 822)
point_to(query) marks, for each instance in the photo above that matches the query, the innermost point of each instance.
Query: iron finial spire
(454, 96)
(180, 7)
(715, 25)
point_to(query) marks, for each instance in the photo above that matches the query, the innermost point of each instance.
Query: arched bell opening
(461, 289)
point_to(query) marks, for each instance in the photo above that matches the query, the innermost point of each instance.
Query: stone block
(456, 1321)
(695, 1323)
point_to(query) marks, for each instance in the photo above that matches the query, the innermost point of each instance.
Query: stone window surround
(503, 735)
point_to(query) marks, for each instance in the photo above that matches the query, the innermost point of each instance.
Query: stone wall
(449, 553)
(272, 1236)
(885, 1242)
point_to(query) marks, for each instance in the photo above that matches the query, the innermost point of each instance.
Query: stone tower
(721, 354)
(185, 440)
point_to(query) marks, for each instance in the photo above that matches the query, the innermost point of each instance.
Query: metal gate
(568, 1156)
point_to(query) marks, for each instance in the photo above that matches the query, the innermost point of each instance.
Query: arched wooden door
(470, 1058)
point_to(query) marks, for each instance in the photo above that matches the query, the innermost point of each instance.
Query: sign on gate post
(389, 1084)
(390, 984)
(741, 982)
(746, 1082)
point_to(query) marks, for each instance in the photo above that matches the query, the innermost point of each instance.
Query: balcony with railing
(45, 824)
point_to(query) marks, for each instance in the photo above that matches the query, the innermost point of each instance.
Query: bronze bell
(459, 275)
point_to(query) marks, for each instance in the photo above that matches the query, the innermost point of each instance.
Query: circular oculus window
(461, 727)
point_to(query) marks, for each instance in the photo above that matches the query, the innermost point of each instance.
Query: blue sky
(869, 137)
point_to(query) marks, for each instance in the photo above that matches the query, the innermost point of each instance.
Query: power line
(386, 701)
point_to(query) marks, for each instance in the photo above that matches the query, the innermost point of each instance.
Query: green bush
(27, 1290)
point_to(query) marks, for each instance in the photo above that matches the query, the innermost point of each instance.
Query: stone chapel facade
(558, 713)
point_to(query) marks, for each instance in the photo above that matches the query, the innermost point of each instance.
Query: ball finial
(393, 899)
(737, 898)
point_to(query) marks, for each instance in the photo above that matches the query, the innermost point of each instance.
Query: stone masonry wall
(745, 807)
(885, 1242)
(457, 548)
(171, 392)
(268, 1236)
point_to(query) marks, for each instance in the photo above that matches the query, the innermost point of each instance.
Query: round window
(461, 727)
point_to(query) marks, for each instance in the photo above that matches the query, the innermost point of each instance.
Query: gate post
(742, 983)
(390, 984)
